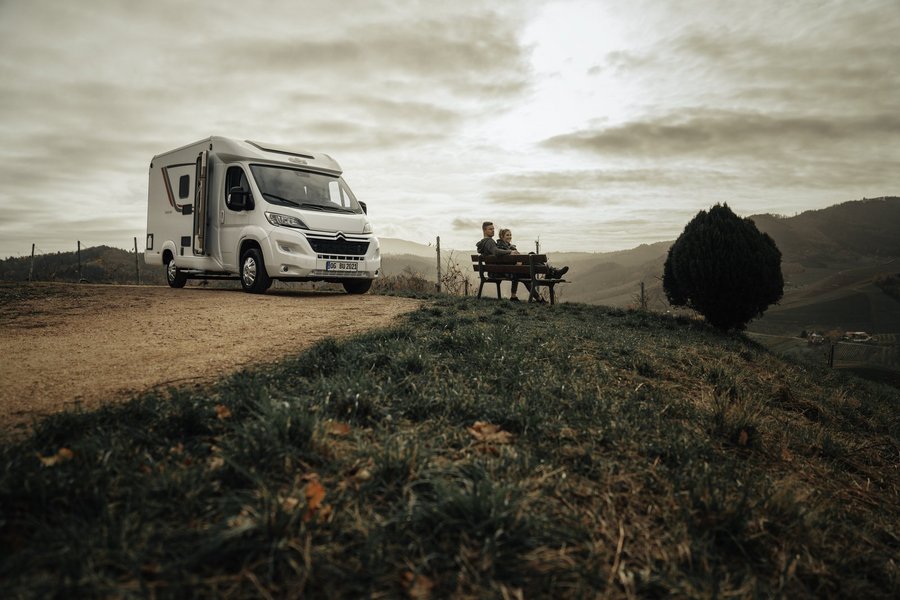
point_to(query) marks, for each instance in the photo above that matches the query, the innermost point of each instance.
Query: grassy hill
(99, 264)
(474, 449)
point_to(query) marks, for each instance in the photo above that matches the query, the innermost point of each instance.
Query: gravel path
(65, 345)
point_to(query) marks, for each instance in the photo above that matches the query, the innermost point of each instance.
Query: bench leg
(480, 287)
(498, 290)
(552, 296)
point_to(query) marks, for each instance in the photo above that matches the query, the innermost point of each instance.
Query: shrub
(724, 268)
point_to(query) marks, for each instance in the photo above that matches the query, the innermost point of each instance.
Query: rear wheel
(174, 277)
(357, 286)
(254, 278)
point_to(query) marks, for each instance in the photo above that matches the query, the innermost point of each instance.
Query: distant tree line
(99, 264)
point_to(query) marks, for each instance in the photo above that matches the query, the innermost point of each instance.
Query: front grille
(339, 247)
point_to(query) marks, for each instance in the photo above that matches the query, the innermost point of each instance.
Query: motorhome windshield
(312, 191)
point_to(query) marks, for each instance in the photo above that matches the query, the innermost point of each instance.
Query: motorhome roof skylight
(270, 148)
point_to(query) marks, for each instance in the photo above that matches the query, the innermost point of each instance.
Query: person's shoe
(513, 299)
(561, 272)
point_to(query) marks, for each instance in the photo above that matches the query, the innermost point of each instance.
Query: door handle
(221, 217)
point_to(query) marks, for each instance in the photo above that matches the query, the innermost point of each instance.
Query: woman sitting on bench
(488, 247)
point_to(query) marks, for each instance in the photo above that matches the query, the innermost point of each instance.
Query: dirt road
(63, 345)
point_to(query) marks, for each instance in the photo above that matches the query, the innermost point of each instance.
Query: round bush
(723, 267)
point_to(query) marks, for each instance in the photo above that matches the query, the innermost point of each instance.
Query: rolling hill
(831, 258)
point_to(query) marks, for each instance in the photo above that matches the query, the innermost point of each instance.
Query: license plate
(335, 265)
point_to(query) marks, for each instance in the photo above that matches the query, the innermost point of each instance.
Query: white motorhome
(229, 209)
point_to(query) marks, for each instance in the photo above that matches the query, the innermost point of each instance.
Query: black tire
(254, 278)
(174, 277)
(357, 286)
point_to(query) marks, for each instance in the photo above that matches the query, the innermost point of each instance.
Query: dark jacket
(506, 246)
(488, 247)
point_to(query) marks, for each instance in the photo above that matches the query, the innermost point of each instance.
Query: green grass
(636, 455)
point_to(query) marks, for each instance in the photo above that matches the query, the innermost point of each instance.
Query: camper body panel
(297, 240)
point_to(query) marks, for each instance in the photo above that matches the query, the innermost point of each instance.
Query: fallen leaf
(216, 462)
(315, 493)
(743, 437)
(337, 428)
(417, 587)
(62, 455)
(487, 432)
(325, 512)
(290, 504)
(568, 432)
(222, 412)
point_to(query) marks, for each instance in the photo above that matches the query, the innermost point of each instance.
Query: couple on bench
(503, 247)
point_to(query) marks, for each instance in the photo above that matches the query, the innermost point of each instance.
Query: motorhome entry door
(201, 203)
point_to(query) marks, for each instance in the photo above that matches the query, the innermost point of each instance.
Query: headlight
(285, 221)
(367, 228)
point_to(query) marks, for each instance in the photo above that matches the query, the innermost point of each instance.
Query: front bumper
(313, 255)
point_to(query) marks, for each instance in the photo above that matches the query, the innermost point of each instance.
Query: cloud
(461, 54)
(460, 224)
(713, 133)
(797, 57)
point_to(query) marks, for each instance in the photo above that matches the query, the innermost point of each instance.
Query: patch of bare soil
(66, 345)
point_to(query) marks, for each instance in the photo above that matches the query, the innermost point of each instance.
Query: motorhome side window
(304, 189)
(184, 186)
(235, 177)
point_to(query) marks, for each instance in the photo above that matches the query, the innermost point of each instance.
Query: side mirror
(237, 198)
(187, 209)
(363, 206)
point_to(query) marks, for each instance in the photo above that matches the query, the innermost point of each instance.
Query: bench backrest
(512, 264)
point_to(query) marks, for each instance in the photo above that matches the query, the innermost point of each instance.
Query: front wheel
(254, 278)
(174, 277)
(357, 286)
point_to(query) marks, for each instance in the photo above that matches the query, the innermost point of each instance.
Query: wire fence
(878, 358)
(849, 355)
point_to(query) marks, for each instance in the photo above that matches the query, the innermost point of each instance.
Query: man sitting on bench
(486, 246)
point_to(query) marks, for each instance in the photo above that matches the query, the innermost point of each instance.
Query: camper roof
(229, 150)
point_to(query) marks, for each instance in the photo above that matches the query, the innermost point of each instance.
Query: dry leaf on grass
(417, 587)
(63, 455)
(222, 412)
(315, 494)
(337, 428)
(492, 434)
(289, 504)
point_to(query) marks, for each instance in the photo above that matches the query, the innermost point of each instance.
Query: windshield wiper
(323, 207)
(280, 199)
(327, 207)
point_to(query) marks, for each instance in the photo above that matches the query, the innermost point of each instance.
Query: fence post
(439, 264)
(137, 268)
(79, 262)
(831, 356)
(31, 268)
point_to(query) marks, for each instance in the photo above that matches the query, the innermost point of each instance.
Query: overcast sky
(595, 125)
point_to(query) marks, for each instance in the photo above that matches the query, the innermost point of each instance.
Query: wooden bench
(524, 268)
